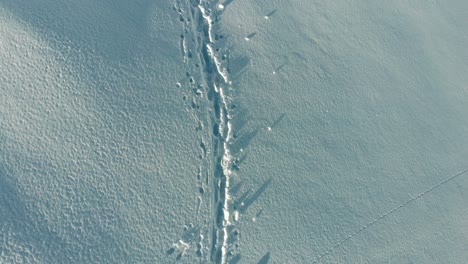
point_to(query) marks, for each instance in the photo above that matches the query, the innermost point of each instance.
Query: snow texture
(233, 131)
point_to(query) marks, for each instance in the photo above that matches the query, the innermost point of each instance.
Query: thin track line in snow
(381, 217)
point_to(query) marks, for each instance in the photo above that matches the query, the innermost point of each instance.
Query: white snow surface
(153, 132)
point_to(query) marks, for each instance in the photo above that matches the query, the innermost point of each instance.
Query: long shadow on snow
(265, 259)
(237, 66)
(235, 259)
(249, 201)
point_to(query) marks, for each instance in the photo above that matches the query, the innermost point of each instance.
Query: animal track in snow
(388, 213)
